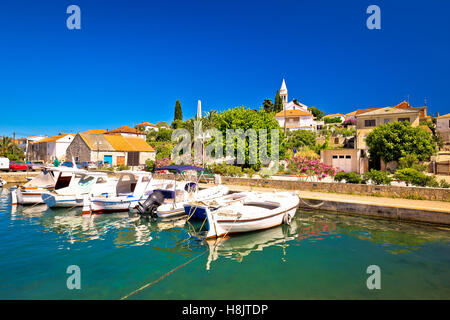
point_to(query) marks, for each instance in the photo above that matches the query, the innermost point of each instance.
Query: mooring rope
(311, 205)
(180, 266)
(163, 276)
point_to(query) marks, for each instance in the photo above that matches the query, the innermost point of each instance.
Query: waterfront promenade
(420, 211)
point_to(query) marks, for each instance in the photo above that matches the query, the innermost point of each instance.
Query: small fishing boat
(51, 178)
(197, 209)
(184, 192)
(132, 187)
(262, 211)
(80, 187)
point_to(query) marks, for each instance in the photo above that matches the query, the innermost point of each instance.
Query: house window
(449, 123)
(403, 119)
(335, 157)
(348, 157)
(341, 157)
(387, 121)
(369, 123)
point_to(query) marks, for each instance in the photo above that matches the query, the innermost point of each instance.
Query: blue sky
(133, 59)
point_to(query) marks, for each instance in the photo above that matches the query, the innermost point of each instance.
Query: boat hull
(109, 205)
(62, 201)
(28, 197)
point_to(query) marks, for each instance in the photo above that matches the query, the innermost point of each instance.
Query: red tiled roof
(125, 129)
(292, 113)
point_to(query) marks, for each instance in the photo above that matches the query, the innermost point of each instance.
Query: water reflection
(177, 236)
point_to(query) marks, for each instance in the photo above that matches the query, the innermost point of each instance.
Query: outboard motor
(148, 208)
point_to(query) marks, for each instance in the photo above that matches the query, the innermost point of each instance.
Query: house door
(344, 162)
(108, 159)
(120, 160)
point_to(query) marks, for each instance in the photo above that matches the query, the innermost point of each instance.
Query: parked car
(35, 165)
(89, 165)
(4, 164)
(17, 166)
(70, 164)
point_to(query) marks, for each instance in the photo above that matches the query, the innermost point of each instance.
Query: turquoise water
(320, 256)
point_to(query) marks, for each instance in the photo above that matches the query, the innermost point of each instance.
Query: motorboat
(197, 209)
(50, 179)
(171, 201)
(131, 187)
(261, 211)
(80, 187)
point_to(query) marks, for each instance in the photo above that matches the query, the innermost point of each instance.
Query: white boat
(80, 187)
(176, 205)
(51, 178)
(262, 211)
(132, 187)
(197, 209)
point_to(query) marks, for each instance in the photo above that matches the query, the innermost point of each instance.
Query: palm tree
(6, 145)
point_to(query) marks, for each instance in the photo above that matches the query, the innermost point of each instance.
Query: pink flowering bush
(163, 162)
(313, 169)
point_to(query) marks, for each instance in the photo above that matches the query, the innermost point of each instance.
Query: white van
(4, 164)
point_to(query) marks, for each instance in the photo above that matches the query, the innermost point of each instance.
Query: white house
(336, 115)
(443, 127)
(50, 148)
(127, 131)
(294, 114)
(147, 126)
(25, 143)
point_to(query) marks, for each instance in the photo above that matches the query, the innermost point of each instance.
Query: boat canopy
(180, 168)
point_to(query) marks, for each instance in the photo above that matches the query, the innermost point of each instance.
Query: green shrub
(416, 178)
(349, 177)
(340, 176)
(411, 161)
(226, 170)
(249, 171)
(377, 177)
(444, 184)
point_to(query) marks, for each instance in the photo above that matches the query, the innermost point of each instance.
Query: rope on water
(163, 276)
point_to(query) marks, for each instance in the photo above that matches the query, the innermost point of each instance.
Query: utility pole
(14, 141)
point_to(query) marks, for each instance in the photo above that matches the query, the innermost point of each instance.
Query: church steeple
(284, 93)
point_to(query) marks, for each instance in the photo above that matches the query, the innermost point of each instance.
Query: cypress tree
(178, 112)
(278, 102)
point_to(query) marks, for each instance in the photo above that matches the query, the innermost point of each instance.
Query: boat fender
(287, 219)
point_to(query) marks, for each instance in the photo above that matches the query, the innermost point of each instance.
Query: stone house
(115, 149)
(443, 127)
(50, 148)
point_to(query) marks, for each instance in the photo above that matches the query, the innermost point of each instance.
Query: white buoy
(86, 206)
(14, 196)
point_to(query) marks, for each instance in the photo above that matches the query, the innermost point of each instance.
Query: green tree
(268, 105)
(301, 138)
(178, 112)
(245, 118)
(278, 102)
(395, 140)
(318, 114)
(11, 150)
